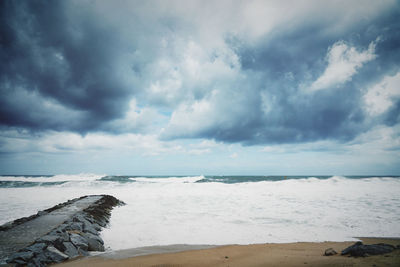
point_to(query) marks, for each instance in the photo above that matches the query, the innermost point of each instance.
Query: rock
(79, 241)
(81, 218)
(54, 255)
(36, 248)
(87, 226)
(89, 218)
(70, 250)
(36, 262)
(55, 239)
(92, 236)
(41, 213)
(90, 229)
(330, 252)
(75, 226)
(102, 222)
(348, 249)
(62, 227)
(96, 226)
(21, 257)
(83, 252)
(361, 250)
(95, 243)
(62, 234)
(39, 260)
(50, 238)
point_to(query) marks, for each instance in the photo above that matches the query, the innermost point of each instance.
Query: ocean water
(220, 210)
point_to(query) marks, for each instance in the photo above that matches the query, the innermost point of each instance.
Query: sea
(218, 210)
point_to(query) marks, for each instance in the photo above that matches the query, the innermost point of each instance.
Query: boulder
(36, 248)
(21, 257)
(330, 252)
(75, 226)
(62, 234)
(95, 243)
(50, 238)
(90, 229)
(361, 250)
(70, 250)
(79, 242)
(39, 260)
(55, 239)
(96, 226)
(54, 255)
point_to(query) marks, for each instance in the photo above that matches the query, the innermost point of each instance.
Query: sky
(200, 87)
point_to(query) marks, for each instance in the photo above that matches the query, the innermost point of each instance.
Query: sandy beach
(290, 254)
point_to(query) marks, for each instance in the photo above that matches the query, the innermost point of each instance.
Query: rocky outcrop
(330, 252)
(361, 250)
(76, 236)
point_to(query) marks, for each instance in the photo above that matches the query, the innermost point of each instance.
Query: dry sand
(292, 254)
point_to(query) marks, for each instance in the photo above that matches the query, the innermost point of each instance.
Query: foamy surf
(219, 210)
(186, 179)
(55, 178)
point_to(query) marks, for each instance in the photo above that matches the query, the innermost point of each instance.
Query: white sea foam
(171, 211)
(187, 179)
(56, 178)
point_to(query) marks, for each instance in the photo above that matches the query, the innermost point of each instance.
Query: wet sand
(291, 254)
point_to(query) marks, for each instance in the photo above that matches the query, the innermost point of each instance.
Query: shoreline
(275, 254)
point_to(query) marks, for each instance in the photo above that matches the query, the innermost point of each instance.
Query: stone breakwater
(75, 227)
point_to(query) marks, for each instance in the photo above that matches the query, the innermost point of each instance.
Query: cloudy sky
(200, 87)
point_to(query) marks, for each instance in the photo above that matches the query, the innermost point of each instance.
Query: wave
(55, 178)
(185, 179)
(11, 184)
(97, 180)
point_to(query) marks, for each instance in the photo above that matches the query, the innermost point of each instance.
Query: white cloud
(68, 142)
(137, 119)
(343, 62)
(190, 118)
(379, 97)
(188, 70)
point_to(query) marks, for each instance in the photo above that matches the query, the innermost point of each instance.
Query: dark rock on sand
(330, 252)
(361, 250)
(79, 241)
(70, 250)
(95, 243)
(54, 255)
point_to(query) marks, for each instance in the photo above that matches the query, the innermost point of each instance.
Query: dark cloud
(282, 65)
(55, 61)
(68, 66)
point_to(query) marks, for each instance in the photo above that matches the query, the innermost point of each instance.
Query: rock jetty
(71, 230)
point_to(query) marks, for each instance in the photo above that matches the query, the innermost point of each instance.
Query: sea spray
(223, 209)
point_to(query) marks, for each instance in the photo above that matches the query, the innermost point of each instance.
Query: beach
(289, 254)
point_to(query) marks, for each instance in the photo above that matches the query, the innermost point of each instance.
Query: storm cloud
(59, 68)
(235, 73)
